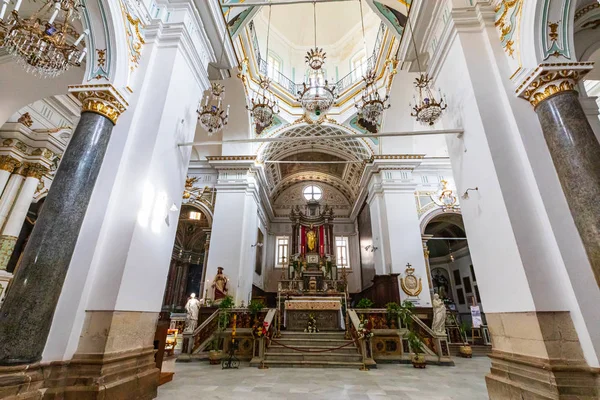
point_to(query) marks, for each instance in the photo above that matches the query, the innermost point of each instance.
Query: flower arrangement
(312, 324)
(365, 329)
(259, 329)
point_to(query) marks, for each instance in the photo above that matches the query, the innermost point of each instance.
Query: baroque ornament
(411, 285)
(100, 99)
(552, 78)
(42, 45)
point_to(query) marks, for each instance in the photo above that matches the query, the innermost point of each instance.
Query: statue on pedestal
(220, 286)
(439, 315)
(193, 308)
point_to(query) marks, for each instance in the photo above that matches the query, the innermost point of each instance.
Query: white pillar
(235, 227)
(7, 167)
(10, 194)
(395, 222)
(17, 215)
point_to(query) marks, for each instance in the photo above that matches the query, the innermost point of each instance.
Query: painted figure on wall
(311, 240)
(219, 285)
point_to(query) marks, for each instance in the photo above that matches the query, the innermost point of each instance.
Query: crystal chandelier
(263, 108)
(371, 104)
(317, 97)
(43, 46)
(211, 115)
(427, 109)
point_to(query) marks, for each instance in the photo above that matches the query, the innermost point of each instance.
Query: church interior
(341, 199)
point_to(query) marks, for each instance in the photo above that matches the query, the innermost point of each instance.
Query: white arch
(430, 215)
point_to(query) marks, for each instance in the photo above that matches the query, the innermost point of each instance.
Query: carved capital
(100, 99)
(7, 163)
(551, 78)
(35, 170)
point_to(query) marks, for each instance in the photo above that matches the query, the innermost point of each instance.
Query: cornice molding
(103, 99)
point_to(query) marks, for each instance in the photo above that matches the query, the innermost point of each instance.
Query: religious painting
(461, 296)
(441, 282)
(467, 285)
(259, 252)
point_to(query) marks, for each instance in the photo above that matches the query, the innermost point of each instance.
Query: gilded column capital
(35, 170)
(551, 78)
(100, 99)
(7, 163)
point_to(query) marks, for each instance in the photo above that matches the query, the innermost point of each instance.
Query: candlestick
(18, 5)
(55, 14)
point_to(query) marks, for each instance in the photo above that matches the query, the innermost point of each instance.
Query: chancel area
(334, 199)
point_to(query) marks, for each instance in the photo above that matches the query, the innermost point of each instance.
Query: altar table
(327, 311)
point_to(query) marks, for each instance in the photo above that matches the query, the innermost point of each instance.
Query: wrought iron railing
(342, 84)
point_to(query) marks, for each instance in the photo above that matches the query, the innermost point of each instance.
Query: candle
(18, 5)
(55, 14)
(82, 55)
(3, 11)
(80, 38)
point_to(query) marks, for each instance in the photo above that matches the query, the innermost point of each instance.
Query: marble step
(312, 364)
(351, 349)
(311, 342)
(320, 335)
(342, 357)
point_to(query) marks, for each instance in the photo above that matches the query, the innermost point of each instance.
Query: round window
(312, 193)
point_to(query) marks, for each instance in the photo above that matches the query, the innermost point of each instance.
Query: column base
(537, 355)
(519, 377)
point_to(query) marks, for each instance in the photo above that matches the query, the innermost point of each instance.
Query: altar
(326, 310)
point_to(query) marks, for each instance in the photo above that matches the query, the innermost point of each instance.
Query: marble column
(27, 312)
(574, 149)
(16, 218)
(7, 167)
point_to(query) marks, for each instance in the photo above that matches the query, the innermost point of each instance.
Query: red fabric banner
(302, 239)
(321, 241)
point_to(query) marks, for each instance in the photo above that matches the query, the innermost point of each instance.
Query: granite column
(27, 312)
(574, 149)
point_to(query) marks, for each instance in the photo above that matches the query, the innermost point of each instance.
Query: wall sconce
(371, 248)
(257, 245)
(465, 195)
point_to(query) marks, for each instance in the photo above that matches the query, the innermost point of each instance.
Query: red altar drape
(302, 239)
(321, 241)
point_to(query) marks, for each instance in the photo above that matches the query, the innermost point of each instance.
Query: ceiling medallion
(371, 104)
(211, 115)
(264, 108)
(427, 108)
(43, 46)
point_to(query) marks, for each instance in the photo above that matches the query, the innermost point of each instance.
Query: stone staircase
(277, 355)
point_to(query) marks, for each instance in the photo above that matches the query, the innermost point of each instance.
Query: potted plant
(418, 358)
(254, 308)
(364, 303)
(393, 312)
(215, 354)
(465, 350)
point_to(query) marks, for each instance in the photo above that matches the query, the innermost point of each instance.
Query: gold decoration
(35, 170)
(553, 34)
(101, 57)
(101, 99)
(26, 120)
(411, 285)
(584, 10)
(552, 78)
(7, 163)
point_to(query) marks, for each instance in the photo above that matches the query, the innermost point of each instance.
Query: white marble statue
(193, 308)
(439, 315)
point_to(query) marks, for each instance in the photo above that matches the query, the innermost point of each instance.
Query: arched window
(312, 193)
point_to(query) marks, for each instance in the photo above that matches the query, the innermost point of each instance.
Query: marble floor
(200, 380)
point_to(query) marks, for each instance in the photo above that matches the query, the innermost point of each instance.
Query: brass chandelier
(264, 107)
(427, 109)
(211, 115)
(317, 97)
(42, 45)
(371, 104)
